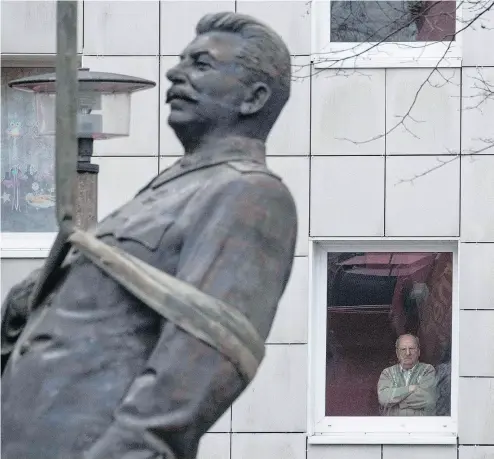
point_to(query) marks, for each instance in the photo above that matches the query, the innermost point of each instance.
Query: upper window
(382, 342)
(360, 33)
(28, 186)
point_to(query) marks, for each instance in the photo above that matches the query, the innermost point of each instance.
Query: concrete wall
(328, 176)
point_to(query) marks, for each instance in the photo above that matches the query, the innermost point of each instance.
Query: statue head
(232, 79)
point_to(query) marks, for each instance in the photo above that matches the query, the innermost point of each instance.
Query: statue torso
(94, 339)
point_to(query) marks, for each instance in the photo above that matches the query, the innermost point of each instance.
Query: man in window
(407, 388)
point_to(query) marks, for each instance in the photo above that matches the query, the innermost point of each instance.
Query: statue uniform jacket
(100, 375)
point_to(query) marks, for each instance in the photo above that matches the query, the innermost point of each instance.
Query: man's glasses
(403, 350)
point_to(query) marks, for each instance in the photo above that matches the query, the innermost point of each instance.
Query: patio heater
(103, 112)
(78, 106)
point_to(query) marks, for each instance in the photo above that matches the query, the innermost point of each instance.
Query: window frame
(322, 429)
(28, 244)
(385, 55)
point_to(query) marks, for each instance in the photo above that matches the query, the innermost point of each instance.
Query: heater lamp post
(103, 112)
(78, 106)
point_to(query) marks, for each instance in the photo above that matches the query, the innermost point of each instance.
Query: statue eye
(202, 64)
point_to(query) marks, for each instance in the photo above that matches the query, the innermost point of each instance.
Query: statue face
(207, 85)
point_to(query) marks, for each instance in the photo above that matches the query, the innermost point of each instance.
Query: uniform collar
(222, 151)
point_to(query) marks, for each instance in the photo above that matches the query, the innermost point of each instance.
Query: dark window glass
(396, 21)
(372, 299)
(28, 187)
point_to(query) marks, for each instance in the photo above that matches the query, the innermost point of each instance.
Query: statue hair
(265, 53)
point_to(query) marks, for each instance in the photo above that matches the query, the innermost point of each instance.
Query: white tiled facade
(344, 185)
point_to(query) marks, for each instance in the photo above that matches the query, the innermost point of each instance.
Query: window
(364, 296)
(368, 33)
(28, 218)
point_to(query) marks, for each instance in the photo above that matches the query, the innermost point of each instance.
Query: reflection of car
(366, 285)
(371, 278)
(367, 294)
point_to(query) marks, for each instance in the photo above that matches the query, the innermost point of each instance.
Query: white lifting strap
(207, 318)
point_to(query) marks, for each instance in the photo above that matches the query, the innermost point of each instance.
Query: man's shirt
(395, 396)
(407, 374)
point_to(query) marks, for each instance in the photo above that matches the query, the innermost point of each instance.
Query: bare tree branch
(401, 21)
(441, 164)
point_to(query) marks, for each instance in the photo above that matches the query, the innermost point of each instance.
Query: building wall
(341, 187)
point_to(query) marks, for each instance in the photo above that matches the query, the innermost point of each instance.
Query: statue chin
(180, 118)
(186, 126)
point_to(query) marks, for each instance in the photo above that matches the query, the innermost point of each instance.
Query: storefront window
(27, 185)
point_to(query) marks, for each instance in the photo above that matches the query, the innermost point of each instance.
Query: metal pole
(65, 146)
(76, 176)
(87, 186)
(66, 110)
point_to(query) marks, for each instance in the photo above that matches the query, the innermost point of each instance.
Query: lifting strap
(208, 319)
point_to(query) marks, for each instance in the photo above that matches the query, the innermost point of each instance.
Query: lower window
(383, 339)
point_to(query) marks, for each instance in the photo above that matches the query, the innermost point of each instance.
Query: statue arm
(239, 249)
(17, 308)
(15, 313)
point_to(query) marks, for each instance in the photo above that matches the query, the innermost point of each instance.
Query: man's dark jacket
(102, 374)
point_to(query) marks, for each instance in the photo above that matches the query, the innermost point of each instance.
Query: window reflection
(27, 181)
(396, 21)
(372, 299)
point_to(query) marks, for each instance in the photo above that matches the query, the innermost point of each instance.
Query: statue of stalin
(96, 373)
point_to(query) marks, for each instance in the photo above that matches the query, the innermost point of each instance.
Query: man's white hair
(397, 344)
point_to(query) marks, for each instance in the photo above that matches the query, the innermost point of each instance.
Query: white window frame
(27, 244)
(324, 429)
(327, 55)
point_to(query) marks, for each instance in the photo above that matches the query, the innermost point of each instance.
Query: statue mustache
(180, 93)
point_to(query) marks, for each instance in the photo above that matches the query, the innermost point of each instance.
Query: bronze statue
(96, 373)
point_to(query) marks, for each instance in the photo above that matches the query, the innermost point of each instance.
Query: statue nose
(176, 75)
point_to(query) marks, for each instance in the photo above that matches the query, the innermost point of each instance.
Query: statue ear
(257, 96)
